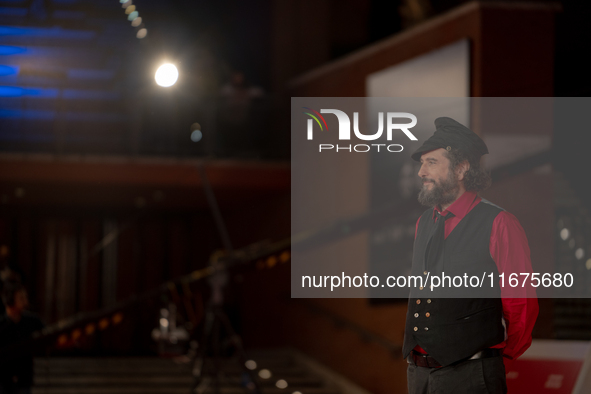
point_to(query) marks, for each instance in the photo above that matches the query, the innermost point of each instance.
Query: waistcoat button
(416, 329)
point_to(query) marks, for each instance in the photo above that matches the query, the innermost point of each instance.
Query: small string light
(141, 33)
(281, 384)
(134, 17)
(76, 334)
(89, 329)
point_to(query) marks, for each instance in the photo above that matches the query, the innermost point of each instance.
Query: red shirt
(510, 251)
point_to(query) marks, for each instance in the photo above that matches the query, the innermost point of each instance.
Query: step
(93, 380)
(174, 390)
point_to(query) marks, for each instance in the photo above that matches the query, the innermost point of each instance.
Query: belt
(424, 360)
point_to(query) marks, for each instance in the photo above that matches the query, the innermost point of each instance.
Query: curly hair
(9, 290)
(476, 179)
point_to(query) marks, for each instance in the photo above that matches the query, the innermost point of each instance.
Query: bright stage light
(166, 75)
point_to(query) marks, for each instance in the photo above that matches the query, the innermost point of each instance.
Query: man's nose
(422, 171)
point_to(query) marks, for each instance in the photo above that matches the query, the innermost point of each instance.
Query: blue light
(11, 31)
(32, 114)
(8, 70)
(6, 50)
(10, 91)
(15, 91)
(51, 32)
(27, 113)
(13, 11)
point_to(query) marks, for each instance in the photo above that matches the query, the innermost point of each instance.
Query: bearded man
(463, 345)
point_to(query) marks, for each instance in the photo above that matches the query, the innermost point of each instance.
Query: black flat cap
(450, 134)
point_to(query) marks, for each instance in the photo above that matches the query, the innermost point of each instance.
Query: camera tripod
(216, 320)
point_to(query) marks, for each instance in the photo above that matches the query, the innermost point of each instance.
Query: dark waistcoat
(451, 329)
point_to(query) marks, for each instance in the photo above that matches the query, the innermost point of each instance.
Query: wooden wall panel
(91, 235)
(66, 268)
(178, 247)
(512, 46)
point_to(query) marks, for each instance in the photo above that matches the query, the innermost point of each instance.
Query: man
(461, 345)
(16, 326)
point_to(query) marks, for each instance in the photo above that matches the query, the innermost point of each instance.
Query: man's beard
(440, 194)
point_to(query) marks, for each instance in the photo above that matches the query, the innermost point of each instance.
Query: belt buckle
(476, 355)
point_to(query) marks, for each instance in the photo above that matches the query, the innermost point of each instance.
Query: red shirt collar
(459, 207)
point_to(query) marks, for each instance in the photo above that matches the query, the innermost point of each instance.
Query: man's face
(440, 184)
(21, 301)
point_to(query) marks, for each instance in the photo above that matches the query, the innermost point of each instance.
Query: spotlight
(167, 74)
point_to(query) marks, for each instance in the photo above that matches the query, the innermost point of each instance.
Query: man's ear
(461, 169)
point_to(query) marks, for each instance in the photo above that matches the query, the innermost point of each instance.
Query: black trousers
(481, 376)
